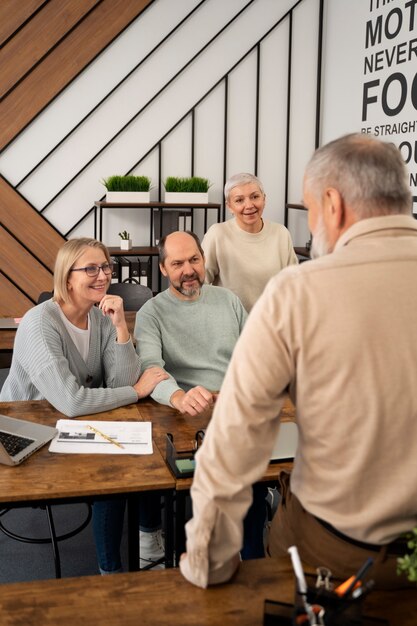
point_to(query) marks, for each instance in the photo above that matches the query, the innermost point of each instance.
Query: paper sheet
(76, 437)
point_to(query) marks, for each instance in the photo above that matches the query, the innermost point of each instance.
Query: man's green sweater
(192, 340)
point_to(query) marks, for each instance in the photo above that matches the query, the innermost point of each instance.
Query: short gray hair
(241, 179)
(370, 175)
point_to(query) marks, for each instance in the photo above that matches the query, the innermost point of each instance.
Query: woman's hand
(148, 381)
(112, 306)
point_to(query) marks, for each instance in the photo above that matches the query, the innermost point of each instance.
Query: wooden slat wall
(45, 30)
(28, 226)
(66, 61)
(47, 44)
(14, 13)
(14, 302)
(22, 268)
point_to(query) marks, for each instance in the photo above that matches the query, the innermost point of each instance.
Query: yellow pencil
(95, 430)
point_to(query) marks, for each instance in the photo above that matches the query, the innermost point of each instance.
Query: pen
(351, 583)
(301, 583)
(363, 589)
(95, 430)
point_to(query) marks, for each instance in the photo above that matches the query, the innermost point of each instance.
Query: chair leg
(53, 539)
(54, 542)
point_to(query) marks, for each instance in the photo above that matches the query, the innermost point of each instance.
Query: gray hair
(241, 179)
(370, 175)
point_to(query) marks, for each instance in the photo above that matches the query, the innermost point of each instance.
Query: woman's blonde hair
(66, 257)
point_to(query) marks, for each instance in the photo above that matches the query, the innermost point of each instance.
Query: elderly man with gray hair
(339, 332)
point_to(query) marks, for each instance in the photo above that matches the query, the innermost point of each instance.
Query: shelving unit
(301, 251)
(151, 250)
(100, 206)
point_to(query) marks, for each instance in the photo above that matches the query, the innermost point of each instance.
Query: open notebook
(20, 438)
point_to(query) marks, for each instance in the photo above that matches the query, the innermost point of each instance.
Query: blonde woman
(76, 352)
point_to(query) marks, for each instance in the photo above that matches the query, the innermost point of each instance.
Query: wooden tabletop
(49, 476)
(166, 419)
(164, 597)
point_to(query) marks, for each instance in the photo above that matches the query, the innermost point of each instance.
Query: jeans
(108, 518)
(254, 524)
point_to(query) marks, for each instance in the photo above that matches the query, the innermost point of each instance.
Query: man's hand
(148, 381)
(194, 402)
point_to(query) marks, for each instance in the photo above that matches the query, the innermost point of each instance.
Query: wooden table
(57, 478)
(164, 597)
(165, 420)
(7, 336)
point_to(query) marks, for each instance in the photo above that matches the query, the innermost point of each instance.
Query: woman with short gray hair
(243, 253)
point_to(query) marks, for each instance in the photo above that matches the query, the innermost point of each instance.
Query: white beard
(320, 245)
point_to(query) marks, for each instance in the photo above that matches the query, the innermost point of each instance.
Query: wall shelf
(99, 207)
(151, 250)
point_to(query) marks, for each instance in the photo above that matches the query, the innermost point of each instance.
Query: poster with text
(389, 95)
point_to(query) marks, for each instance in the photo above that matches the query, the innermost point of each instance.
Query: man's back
(347, 321)
(340, 333)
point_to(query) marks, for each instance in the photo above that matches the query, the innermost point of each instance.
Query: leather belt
(398, 546)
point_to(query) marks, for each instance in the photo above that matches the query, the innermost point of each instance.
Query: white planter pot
(125, 244)
(128, 196)
(177, 197)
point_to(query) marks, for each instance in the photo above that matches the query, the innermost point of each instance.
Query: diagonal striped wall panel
(45, 44)
(13, 301)
(27, 226)
(46, 29)
(99, 27)
(13, 15)
(191, 87)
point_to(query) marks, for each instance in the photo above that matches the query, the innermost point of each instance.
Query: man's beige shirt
(341, 333)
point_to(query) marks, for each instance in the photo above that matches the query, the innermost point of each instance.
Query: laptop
(286, 442)
(20, 438)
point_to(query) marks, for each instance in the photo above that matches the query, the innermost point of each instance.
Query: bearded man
(190, 329)
(339, 332)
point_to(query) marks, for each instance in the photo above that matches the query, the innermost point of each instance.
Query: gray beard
(190, 292)
(320, 245)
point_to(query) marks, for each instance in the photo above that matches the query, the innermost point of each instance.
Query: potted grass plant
(188, 190)
(127, 188)
(125, 240)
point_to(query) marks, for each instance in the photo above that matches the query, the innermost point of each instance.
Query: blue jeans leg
(149, 511)
(253, 525)
(108, 517)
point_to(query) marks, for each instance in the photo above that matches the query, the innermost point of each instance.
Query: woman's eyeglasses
(94, 270)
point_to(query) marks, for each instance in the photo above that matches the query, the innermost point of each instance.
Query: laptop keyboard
(13, 443)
